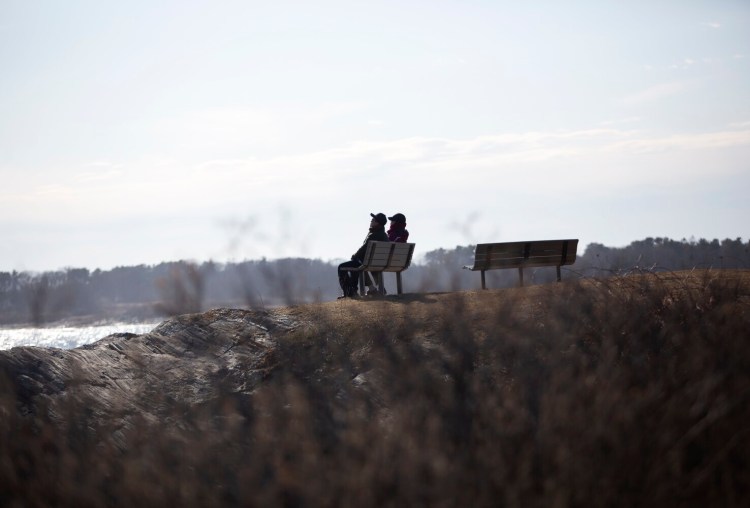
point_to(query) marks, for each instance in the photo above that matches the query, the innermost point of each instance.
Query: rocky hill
(633, 391)
(185, 359)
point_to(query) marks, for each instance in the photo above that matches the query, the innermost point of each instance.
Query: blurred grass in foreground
(625, 392)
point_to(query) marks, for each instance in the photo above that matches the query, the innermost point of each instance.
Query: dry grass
(631, 391)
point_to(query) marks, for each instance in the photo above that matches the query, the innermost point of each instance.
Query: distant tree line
(142, 292)
(663, 254)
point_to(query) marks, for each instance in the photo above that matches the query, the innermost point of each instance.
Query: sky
(147, 131)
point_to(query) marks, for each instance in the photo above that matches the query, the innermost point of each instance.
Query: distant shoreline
(135, 313)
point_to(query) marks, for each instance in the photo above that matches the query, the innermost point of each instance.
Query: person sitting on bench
(397, 232)
(348, 279)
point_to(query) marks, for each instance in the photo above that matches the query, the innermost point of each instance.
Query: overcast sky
(145, 131)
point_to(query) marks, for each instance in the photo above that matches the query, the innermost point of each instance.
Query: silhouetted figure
(397, 232)
(348, 279)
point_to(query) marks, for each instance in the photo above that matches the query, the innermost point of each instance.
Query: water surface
(67, 337)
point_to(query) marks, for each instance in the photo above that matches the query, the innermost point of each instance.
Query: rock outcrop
(183, 360)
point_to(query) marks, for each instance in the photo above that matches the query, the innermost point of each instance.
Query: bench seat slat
(548, 260)
(395, 260)
(396, 257)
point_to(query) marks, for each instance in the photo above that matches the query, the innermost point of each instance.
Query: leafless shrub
(626, 392)
(182, 291)
(37, 297)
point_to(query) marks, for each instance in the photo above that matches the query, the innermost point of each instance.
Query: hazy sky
(146, 131)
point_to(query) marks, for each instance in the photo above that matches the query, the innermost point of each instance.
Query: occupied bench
(492, 256)
(385, 257)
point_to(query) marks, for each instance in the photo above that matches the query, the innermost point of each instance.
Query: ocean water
(67, 337)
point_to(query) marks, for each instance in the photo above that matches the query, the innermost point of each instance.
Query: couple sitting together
(397, 232)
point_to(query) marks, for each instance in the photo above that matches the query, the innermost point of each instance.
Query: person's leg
(348, 279)
(343, 278)
(351, 281)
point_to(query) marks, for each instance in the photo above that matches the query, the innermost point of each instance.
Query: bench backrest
(488, 256)
(388, 256)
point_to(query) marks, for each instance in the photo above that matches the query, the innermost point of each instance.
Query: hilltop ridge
(191, 357)
(626, 391)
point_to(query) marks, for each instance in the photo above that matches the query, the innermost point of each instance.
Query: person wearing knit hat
(347, 278)
(397, 232)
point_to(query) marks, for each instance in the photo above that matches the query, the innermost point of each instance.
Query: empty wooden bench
(493, 256)
(385, 257)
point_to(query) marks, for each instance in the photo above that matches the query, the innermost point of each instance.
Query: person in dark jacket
(348, 279)
(397, 232)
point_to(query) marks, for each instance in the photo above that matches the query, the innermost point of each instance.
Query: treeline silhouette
(170, 288)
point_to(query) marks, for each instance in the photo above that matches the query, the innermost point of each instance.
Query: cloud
(221, 130)
(688, 142)
(446, 182)
(100, 171)
(713, 24)
(601, 160)
(621, 121)
(508, 160)
(654, 93)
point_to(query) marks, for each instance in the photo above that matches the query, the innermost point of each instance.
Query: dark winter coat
(376, 234)
(398, 233)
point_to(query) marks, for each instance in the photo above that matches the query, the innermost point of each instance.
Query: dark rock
(187, 360)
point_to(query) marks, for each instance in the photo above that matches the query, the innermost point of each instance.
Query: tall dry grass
(625, 392)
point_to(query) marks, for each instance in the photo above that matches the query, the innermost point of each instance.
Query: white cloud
(591, 160)
(621, 121)
(100, 171)
(654, 93)
(713, 24)
(683, 142)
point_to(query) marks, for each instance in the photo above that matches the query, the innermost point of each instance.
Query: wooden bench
(492, 256)
(385, 257)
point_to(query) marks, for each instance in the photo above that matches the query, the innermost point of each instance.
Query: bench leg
(558, 274)
(362, 276)
(484, 285)
(380, 283)
(520, 275)
(399, 289)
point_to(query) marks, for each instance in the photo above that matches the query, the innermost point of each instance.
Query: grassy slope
(624, 392)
